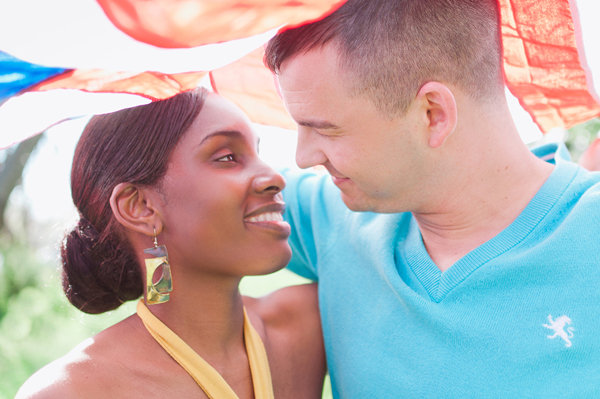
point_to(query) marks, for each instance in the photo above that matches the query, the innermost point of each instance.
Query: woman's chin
(274, 264)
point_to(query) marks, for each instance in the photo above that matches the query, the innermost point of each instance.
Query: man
(474, 271)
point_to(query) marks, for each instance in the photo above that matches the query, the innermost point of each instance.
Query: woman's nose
(268, 180)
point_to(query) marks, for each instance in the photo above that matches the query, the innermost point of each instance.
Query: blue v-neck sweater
(517, 317)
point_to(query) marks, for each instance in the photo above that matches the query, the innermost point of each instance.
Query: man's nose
(308, 149)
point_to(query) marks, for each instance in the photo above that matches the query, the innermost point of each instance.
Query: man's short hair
(390, 48)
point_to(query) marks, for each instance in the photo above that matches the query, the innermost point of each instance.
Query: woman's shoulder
(89, 370)
(69, 376)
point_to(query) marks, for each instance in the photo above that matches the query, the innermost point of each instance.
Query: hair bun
(98, 274)
(86, 229)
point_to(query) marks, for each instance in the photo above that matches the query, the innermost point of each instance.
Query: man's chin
(355, 204)
(369, 205)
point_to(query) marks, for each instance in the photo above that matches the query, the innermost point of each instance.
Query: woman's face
(221, 205)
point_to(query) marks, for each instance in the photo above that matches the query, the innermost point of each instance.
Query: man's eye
(226, 158)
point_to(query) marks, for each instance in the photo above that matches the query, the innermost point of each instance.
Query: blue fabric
(17, 75)
(492, 326)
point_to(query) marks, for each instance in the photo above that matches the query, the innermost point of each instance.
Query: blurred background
(37, 324)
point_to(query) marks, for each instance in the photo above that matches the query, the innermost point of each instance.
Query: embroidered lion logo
(558, 326)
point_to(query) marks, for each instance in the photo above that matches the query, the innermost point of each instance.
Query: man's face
(373, 158)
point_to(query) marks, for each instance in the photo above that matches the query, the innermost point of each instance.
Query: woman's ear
(441, 112)
(134, 209)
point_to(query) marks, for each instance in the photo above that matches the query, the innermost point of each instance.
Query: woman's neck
(207, 313)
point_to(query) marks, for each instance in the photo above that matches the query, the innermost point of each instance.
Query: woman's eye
(226, 158)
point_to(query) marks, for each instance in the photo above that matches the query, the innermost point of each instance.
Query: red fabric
(189, 23)
(542, 65)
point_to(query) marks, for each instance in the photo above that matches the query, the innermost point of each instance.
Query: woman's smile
(269, 217)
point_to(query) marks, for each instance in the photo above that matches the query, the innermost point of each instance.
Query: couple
(470, 269)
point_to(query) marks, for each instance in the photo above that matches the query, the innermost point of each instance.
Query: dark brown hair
(133, 145)
(390, 48)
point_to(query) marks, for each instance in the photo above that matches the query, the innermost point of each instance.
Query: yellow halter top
(203, 373)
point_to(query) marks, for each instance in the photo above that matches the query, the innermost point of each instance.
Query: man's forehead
(315, 72)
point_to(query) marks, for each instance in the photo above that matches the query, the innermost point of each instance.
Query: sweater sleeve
(313, 210)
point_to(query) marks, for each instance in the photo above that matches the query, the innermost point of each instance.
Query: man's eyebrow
(317, 124)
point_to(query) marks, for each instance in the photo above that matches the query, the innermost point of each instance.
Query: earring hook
(155, 239)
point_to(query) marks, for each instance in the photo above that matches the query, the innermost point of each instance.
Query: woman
(184, 175)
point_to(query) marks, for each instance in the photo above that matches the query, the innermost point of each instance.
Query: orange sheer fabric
(152, 85)
(542, 63)
(251, 86)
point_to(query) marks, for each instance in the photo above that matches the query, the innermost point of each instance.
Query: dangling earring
(159, 292)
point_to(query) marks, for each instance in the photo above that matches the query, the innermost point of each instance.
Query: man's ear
(441, 112)
(134, 209)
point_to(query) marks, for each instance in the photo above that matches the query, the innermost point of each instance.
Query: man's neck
(476, 207)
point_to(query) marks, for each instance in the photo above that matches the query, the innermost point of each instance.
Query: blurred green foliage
(37, 324)
(580, 136)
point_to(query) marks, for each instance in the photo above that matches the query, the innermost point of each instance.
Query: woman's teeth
(267, 217)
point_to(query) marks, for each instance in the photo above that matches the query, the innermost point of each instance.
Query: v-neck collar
(438, 284)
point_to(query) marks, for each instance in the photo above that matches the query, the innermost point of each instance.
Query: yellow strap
(203, 373)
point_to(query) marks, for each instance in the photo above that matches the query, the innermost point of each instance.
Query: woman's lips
(272, 221)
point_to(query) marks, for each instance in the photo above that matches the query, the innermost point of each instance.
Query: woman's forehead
(220, 115)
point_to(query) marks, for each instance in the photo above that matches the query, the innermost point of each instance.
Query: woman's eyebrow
(236, 134)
